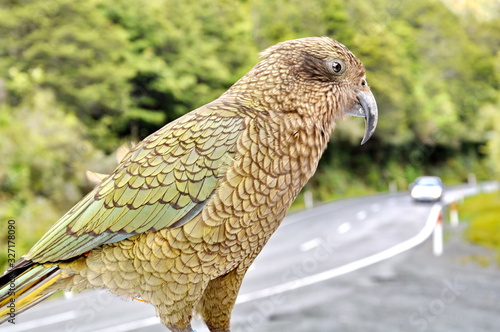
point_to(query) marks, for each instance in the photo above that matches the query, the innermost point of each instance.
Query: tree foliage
(77, 52)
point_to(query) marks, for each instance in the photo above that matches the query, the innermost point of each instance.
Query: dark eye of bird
(337, 67)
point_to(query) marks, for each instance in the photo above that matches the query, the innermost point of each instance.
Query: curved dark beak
(366, 108)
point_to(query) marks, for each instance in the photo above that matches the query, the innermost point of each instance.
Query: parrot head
(316, 77)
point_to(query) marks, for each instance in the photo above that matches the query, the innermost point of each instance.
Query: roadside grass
(483, 214)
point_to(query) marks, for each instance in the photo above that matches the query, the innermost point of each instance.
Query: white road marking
(311, 244)
(391, 201)
(344, 228)
(375, 207)
(37, 323)
(301, 216)
(361, 215)
(353, 266)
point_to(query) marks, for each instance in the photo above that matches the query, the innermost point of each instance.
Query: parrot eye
(336, 67)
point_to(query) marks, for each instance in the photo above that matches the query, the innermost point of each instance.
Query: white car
(427, 188)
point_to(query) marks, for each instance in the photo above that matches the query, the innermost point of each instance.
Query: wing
(164, 181)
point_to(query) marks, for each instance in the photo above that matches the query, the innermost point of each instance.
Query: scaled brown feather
(188, 209)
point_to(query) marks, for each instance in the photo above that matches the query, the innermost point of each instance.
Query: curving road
(312, 276)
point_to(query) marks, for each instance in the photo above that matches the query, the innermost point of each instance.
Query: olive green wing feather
(163, 182)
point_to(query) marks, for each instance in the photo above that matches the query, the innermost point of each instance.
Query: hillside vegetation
(483, 213)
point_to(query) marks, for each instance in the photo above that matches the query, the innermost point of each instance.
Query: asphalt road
(342, 266)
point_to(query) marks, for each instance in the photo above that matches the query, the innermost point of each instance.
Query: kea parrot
(188, 209)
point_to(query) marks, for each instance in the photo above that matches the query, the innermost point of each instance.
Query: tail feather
(20, 290)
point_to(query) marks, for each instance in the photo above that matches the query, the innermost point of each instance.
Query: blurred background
(80, 78)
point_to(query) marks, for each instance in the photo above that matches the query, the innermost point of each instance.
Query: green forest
(78, 79)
